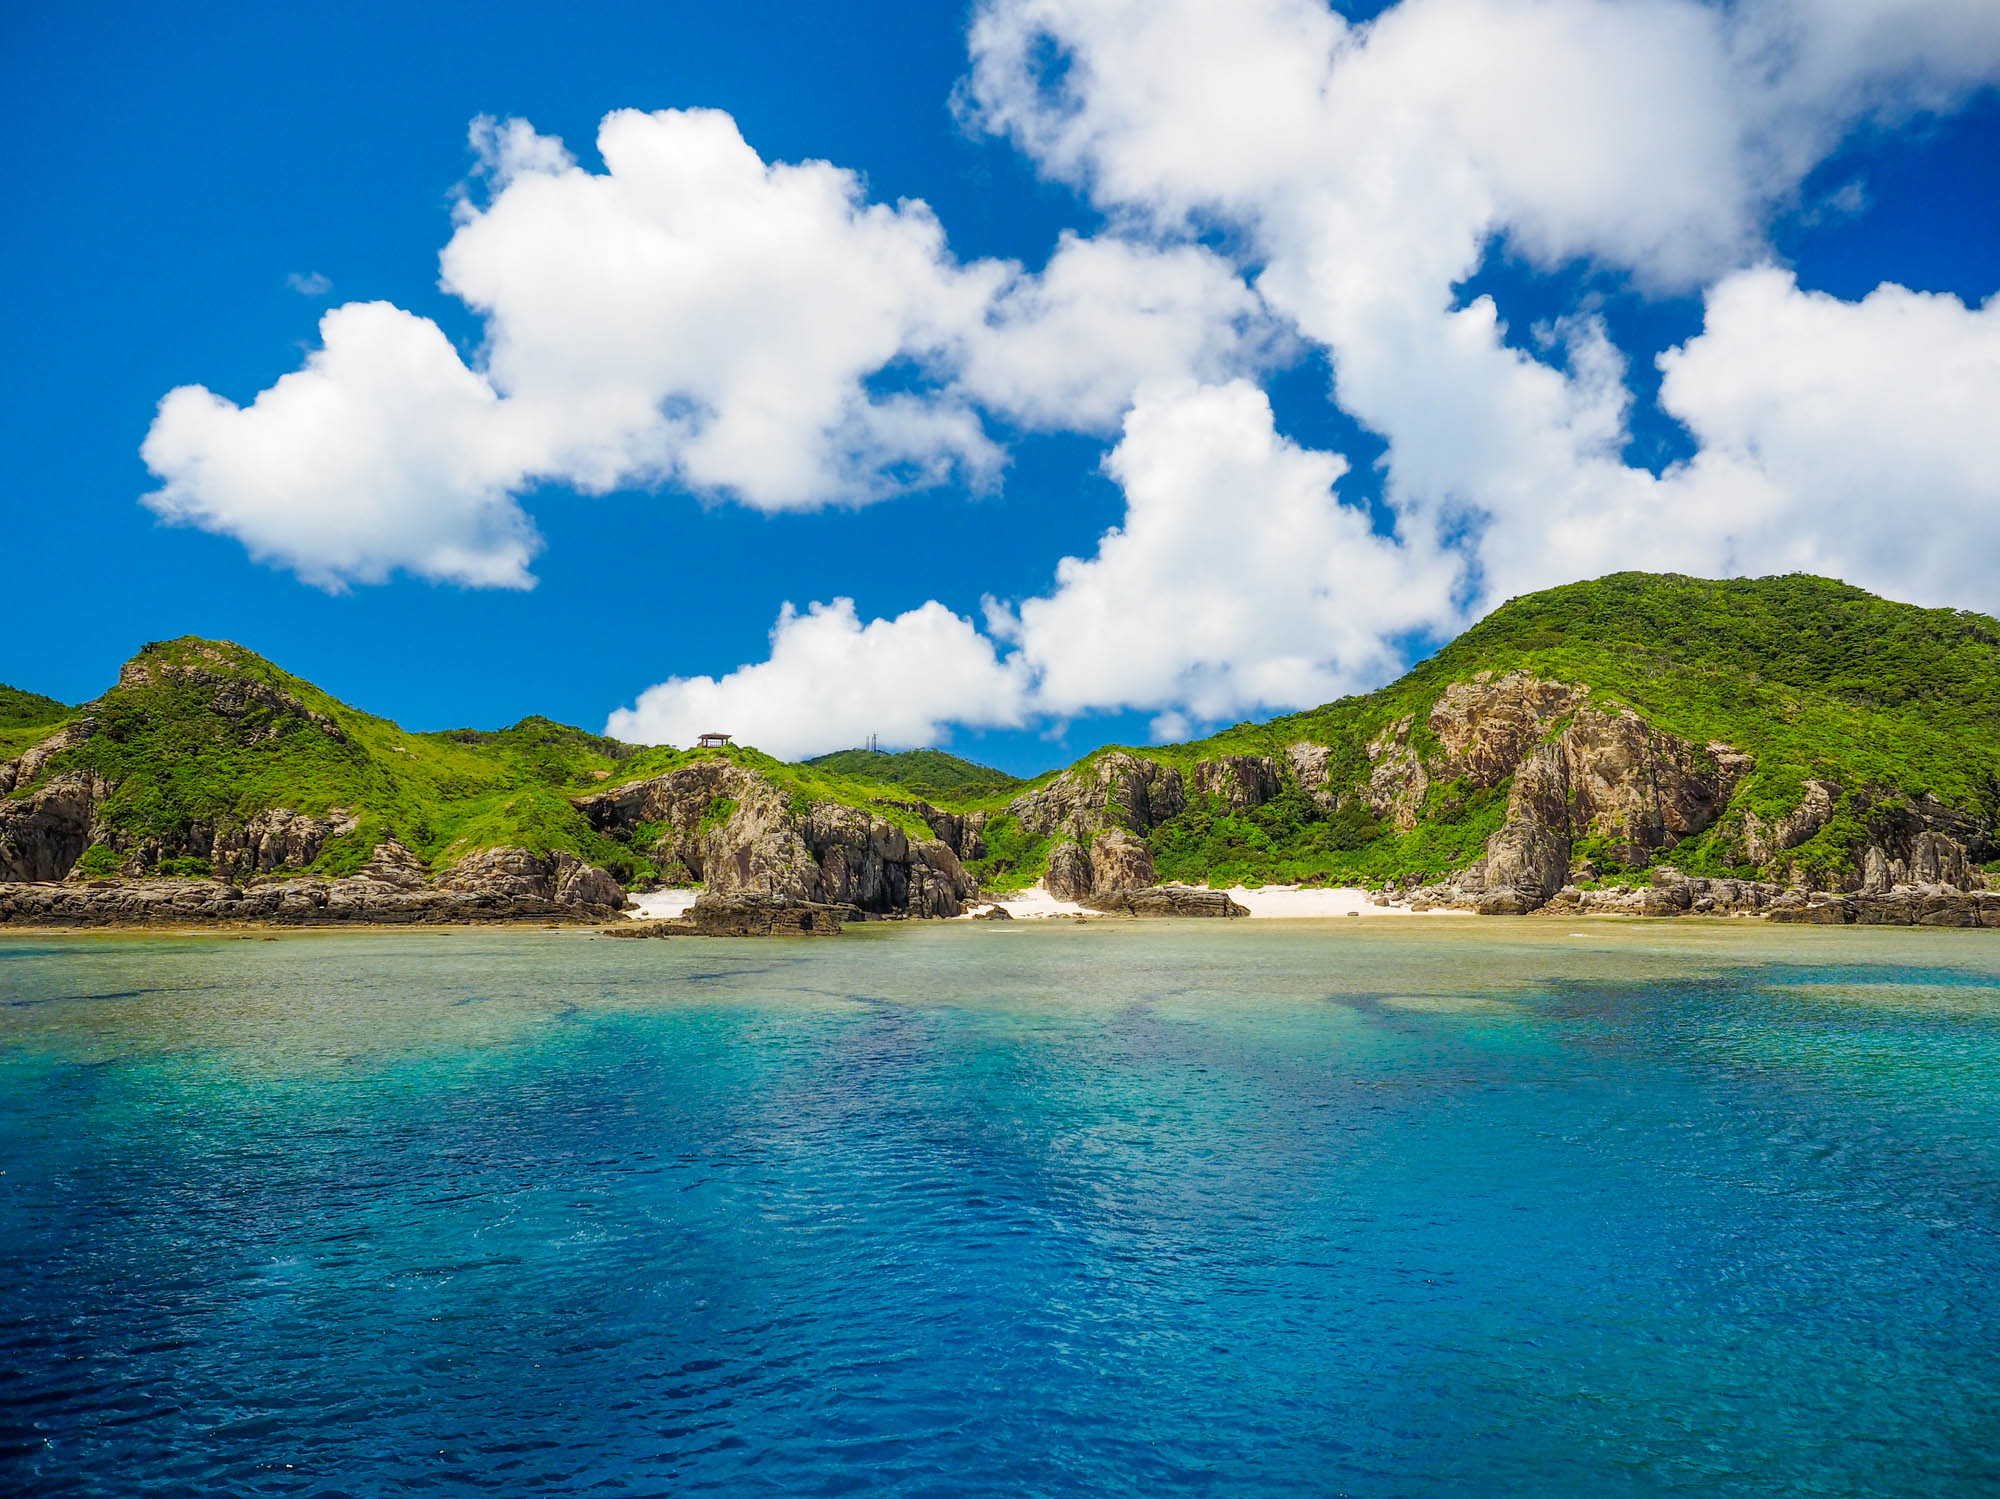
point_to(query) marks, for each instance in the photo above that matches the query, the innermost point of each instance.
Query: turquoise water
(1368, 1208)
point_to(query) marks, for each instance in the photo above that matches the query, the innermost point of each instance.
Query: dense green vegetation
(1015, 858)
(929, 773)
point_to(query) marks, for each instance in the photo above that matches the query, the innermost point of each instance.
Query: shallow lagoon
(1369, 1208)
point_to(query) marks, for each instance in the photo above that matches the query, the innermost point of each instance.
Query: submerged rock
(1165, 900)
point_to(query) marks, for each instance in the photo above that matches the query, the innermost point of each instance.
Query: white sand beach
(661, 905)
(1266, 901)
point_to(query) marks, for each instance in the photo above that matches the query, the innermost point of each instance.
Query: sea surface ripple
(1363, 1208)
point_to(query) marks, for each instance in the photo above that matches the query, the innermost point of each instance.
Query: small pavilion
(712, 741)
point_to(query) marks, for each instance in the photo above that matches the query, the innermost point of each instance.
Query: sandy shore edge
(1281, 902)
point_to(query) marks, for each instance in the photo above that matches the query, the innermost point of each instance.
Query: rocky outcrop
(1121, 790)
(1069, 875)
(737, 832)
(1397, 780)
(1486, 727)
(1483, 729)
(1763, 841)
(20, 772)
(1608, 775)
(961, 832)
(1166, 900)
(1243, 781)
(1644, 789)
(269, 841)
(45, 831)
(1116, 860)
(1309, 764)
(743, 915)
(753, 915)
(392, 888)
(1119, 861)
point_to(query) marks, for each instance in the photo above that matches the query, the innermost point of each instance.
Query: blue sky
(168, 180)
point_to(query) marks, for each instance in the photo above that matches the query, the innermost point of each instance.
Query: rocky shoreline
(392, 889)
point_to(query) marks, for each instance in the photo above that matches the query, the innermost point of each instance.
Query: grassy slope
(927, 773)
(1817, 679)
(27, 718)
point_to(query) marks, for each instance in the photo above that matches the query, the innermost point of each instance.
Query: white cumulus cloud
(384, 452)
(831, 681)
(1237, 580)
(1371, 169)
(1857, 439)
(691, 314)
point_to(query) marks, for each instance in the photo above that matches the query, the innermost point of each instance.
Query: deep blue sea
(1396, 1207)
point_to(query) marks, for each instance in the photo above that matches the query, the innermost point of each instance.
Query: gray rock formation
(747, 914)
(1608, 774)
(1116, 860)
(1397, 780)
(1243, 781)
(44, 832)
(269, 841)
(1308, 763)
(1119, 861)
(21, 771)
(961, 832)
(1485, 727)
(1166, 900)
(739, 833)
(1121, 790)
(1069, 875)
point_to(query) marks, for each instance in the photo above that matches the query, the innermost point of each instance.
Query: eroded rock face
(270, 841)
(1308, 763)
(1609, 774)
(1486, 727)
(1397, 780)
(1763, 842)
(1644, 788)
(961, 832)
(21, 771)
(1119, 861)
(746, 914)
(738, 833)
(296, 902)
(1243, 781)
(44, 832)
(1119, 791)
(1069, 875)
(1527, 861)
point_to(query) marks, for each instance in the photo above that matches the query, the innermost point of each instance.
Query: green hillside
(1815, 678)
(200, 734)
(1897, 708)
(931, 774)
